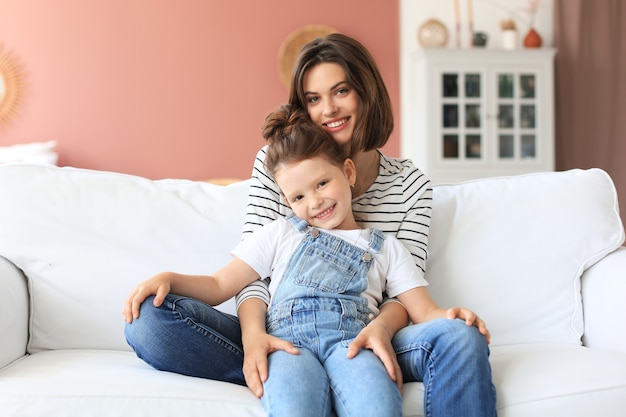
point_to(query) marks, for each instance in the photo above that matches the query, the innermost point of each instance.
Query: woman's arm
(415, 227)
(265, 202)
(399, 203)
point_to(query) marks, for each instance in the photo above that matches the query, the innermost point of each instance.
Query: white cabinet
(479, 113)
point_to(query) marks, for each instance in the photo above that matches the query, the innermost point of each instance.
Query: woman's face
(330, 101)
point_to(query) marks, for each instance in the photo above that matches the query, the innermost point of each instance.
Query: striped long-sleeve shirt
(399, 202)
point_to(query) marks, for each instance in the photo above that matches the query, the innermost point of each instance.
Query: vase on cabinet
(532, 39)
(509, 39)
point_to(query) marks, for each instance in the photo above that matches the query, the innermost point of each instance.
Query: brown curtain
(590, 78)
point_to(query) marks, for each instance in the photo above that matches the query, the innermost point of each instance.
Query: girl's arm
(377, 335)
(422, 308)
(213, 290)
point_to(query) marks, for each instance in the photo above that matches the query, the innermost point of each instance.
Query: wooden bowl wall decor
(289, 49)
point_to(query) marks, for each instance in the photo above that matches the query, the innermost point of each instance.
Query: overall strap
(297, 223)
(376, 240)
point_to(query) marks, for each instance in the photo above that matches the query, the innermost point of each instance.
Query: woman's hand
(159, 286)
(377, 338)
(471, 319)
(256, 348)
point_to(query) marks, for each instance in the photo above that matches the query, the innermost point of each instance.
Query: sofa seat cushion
(114, 383)
(532, 380)
(558, 380)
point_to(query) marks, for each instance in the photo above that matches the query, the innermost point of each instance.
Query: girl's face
(330, 101)
(319, 192)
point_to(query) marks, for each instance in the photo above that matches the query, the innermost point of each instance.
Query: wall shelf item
(481, 113)
(432, 34)
(290, 48)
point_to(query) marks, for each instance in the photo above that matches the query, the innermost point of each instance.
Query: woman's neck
(366, 164)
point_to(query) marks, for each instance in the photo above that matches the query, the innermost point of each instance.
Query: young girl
(329, 276)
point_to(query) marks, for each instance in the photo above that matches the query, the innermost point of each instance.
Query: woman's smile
(335, 124)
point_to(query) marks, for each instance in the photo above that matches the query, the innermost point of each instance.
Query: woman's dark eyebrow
(306, 93)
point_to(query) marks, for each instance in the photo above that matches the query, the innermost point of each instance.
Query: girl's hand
(159, 286)
(377, 338)
(256, 349)
(471, 319)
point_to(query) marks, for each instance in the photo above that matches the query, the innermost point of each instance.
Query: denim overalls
(318, 307)
(318, 300)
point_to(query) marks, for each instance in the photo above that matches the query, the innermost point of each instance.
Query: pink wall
(163, 88)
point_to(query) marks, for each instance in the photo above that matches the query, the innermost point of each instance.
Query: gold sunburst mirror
(11, 86)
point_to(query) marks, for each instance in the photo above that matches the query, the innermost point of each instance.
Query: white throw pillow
(35, 152)
(84, 238)
(513, 250)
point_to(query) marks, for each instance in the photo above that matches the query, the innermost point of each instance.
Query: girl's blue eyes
(299, 197)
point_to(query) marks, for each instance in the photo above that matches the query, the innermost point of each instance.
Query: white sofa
(538, 256)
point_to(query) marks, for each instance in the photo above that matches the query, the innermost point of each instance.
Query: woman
(337, 82)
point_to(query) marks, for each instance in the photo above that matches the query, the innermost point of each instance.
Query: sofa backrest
(512, 249)
(84, 239)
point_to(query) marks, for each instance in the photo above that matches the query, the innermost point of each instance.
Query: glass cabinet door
(516, 106)
(479, 113)
(462, 116)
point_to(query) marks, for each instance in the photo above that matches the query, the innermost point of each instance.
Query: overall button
(315, 232)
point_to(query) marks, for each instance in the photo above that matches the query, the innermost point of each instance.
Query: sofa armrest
(603, 293)
(13, 313)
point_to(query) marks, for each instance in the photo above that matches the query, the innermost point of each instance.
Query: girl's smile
(326, 212)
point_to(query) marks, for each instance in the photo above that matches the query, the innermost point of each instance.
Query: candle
(470, 17)
(457, 19)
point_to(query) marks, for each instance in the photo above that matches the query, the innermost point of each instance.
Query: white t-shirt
(393, 270)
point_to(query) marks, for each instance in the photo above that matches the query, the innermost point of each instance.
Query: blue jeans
(191, 338)
(322, 329)
(451, 359)
(188, 337)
